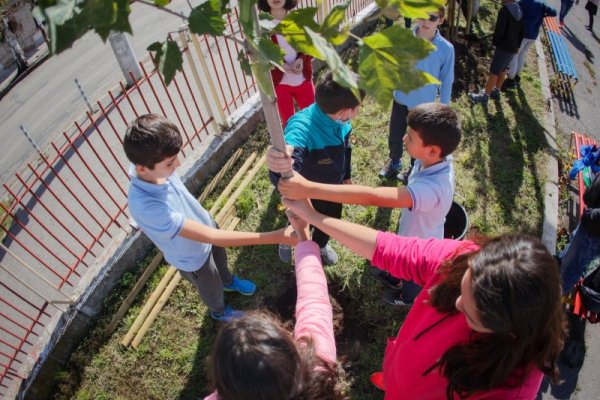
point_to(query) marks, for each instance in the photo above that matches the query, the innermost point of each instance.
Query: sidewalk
(9, 77)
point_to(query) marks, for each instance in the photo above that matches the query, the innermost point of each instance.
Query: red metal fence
(63, 210)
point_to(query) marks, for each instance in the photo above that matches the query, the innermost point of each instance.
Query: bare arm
(298, 187)
(360, 239)
(201, 233)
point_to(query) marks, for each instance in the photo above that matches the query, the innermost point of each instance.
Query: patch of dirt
(473, 57)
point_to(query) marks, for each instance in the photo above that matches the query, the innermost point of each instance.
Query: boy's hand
(294, 188)
(280, 162)
(300, 208)
(289, 236)
(300, 226)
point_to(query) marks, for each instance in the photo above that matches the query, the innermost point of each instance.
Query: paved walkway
(581, 383)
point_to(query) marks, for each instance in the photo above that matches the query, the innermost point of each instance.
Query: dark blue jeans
(565, 7)
(578, 257)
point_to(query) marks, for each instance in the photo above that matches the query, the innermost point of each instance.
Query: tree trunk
(15, 47)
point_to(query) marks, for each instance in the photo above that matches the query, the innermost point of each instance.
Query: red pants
(304, 95)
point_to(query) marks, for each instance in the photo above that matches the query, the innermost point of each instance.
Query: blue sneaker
(242, 286)
(228, 315)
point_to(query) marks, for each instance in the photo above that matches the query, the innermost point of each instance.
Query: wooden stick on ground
(139, 321)
(215, 181)
(156, 309)
(244, 168)
(156, 260)
(241, 187)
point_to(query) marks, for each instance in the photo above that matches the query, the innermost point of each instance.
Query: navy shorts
(500, 61)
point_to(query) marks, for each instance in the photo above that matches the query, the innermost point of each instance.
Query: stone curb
(550, 223)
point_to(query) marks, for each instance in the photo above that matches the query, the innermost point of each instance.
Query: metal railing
(62, 211)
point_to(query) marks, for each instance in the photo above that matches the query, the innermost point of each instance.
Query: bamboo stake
(220, 175)
(139, 321)
(227, 218)
(234, 222)
(156, 309)
(156, 260)
(242, 186)
(233, 182)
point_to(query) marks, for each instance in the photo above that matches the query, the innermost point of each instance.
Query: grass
(500, 178)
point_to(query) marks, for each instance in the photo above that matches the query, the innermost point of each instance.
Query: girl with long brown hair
(487, 324)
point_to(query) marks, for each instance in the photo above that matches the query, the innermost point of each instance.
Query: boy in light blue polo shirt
(175, 221)
(433, 134)
(439, 64)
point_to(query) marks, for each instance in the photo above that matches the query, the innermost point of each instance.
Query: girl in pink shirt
(256, 357)
(487, 325)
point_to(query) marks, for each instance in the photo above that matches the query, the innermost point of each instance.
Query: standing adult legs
(565, 7)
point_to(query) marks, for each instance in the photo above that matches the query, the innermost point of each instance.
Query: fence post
(215, 124)
(213, 91)
(87, 102)
(125, 56)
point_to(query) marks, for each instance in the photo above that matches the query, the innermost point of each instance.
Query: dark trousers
(210, 278)
(330, 209)
(397, 128)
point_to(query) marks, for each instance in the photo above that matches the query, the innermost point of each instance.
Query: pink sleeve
(212, 396)
(314, 317)
(415, 259)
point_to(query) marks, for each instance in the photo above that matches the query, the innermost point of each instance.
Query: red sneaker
(561, 24)
(377, 380)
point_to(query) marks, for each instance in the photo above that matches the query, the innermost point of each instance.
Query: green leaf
(413, 8)
(384, 66)
(161, 3)
(68, 20)
(246, 17)
(330, 28)
(292, 27)
(262, 74)
(208, 18)
(105, 16)
(244, 62)
(342, 74)
(269, 51)
(168, 59)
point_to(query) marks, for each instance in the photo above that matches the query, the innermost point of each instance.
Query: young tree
(386, 62)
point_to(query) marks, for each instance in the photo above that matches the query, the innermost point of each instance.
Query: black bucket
(457, 222)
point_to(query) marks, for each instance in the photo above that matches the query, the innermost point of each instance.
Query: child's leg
(285, 102)
(331, 210)
(397, 130)
(304, 94)
(208, 281)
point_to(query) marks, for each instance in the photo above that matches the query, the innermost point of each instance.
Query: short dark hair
(332, 97)
(437, 124)
(150, 139)
(264, 6)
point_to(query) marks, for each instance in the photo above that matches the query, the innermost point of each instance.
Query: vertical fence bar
(221, 120)
(199, 85)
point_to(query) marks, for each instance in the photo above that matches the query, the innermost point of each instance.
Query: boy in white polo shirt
(433, 134)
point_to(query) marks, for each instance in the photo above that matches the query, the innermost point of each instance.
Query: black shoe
(394, 298)
(509, 84)
(390, 169)
(386, 278)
